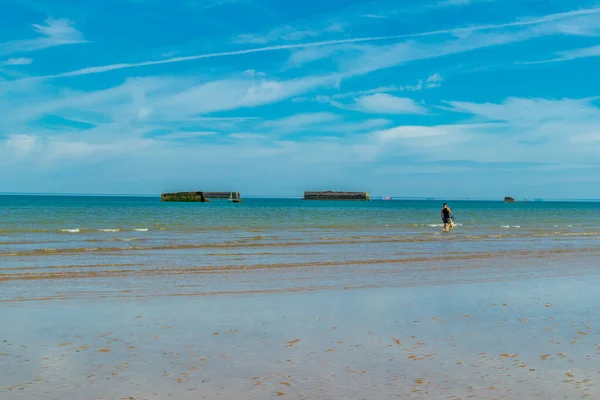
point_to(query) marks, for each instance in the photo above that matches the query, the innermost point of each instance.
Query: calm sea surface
(49, 238)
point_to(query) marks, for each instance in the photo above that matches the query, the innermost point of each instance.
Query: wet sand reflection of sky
(526, 339)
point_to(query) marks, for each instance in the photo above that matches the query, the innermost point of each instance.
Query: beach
(130, 298)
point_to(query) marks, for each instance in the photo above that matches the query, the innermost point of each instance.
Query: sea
(86, 238)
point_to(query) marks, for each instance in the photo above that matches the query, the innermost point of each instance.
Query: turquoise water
(86, 238)
(53, 214)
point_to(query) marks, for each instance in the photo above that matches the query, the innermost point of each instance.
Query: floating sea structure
(199, 197)
(331, 195)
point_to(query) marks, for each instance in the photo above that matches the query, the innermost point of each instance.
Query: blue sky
(456, 98)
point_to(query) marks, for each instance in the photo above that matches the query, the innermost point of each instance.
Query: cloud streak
(584, 52)
(286, 33)
(454, 31)
(54, 32)
(17, 61)
(383, 103)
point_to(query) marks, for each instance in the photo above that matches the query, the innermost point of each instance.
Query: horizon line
(373, 197)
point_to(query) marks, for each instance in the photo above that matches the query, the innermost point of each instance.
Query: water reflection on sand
(519, 338)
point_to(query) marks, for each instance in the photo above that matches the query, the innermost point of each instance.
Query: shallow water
(53, 237)
(533, 339)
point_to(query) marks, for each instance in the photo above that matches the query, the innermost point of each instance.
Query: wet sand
(501, 326)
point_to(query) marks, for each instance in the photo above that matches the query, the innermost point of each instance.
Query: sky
(428, 98)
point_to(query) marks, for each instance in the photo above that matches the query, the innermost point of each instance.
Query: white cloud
(375, 16)
(447, 3)
(503, 136)
(578, 25)
(184, 135)
(287, 34)
(17, 61)
(159, 100)
(374, 58)
(530, 111)
(434, 81)
(352, 127)
(517, 130)
(362, 57)
(247, 136)
(80, 149)
(251, 73)
(300, 122)
(377, 58)
(234, 94)
(55, 32)
(584, 52)
(61, 31)
(593, 51)
(20, 146)
(309, 54)
(382, 103)
(410, 132)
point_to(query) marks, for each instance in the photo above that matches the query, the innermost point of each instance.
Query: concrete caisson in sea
(200, 197)
(508, 199)
(331, 195)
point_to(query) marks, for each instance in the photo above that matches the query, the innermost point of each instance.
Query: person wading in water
(446, 217)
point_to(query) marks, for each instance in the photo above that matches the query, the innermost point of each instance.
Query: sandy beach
(400, 334)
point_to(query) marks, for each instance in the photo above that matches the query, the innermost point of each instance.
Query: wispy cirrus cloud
(248, 136)
(530, 110)
(383, 103)
(287, 34)
(545, 25)
(54, 32)
(17, 61)
(299, 122)
(453, 3)
(176, 106)
(182, 135)
(432, 82)
(569, 55)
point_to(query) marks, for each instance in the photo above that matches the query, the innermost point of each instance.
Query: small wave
(109, 230)
(141, 229)
(510, 226)
(75, 230)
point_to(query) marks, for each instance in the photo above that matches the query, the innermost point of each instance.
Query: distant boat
(387, 198)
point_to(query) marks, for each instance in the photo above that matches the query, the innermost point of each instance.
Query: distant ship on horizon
(387, 198)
